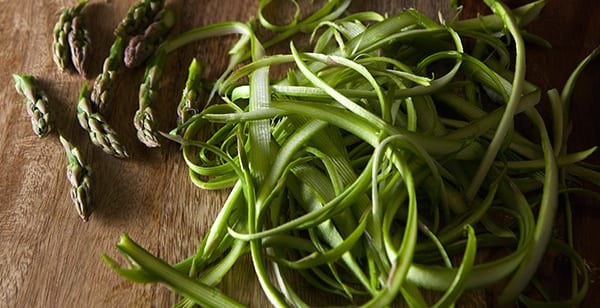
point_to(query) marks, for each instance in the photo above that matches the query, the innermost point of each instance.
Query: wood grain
(48, 257)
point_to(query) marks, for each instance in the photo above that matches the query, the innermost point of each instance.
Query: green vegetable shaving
(381, 165)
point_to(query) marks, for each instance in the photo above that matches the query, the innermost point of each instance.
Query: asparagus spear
(192, 93)
(144, 117)
(101, 134)
(142, 46)
(79, 43)
(70, 40)
(79, 175)
(104, 83)
(139, 17)
(42, 120)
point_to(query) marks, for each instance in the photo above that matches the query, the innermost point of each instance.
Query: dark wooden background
(48, 257)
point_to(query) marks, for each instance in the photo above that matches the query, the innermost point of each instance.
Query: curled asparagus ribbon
(79, 175)
(71, 42)
(42, 120)
(101, 134)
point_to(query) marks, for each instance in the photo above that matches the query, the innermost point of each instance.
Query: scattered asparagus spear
(139, 17)
(71, 41)
(79, 43)
(103, 85)
(144, 120)
(60, 45)
(101, 134)
(42, 120)
(79, 175)
(192, 93)
(142, 46)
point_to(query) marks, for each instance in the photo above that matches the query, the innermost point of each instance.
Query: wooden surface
(48, 257)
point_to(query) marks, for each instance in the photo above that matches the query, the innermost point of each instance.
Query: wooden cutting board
(49, 257)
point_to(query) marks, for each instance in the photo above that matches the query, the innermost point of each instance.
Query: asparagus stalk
(101, 134)
(79, 43)
(139, 17)
(71, 40)
(144, 118)
(192, 93)
(79, 175)
(142, 46)
(42, 120)
(60, 44)
(102, 91)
